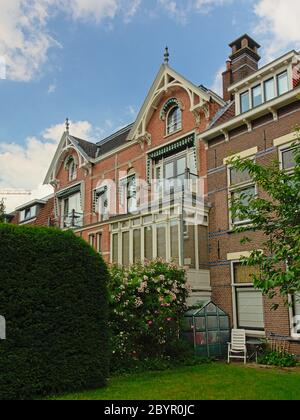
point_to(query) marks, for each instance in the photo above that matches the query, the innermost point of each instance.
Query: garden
(62, 304)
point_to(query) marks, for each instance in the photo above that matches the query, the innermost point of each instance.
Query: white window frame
(291, 315)
(264, 79)
(236, 188)
(180, 126)
(284, 148)
(234, 286)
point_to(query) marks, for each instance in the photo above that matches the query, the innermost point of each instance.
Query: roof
(252, 41)
(88, 147)
(225, 114)
(114, 141)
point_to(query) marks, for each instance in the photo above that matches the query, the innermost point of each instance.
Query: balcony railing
(72, 220)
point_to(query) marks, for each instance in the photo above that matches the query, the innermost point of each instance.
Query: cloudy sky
(94, 61)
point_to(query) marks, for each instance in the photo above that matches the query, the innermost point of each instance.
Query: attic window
(174, 120)
(71, 167)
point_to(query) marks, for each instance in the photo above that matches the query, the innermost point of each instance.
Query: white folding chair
(237, 349)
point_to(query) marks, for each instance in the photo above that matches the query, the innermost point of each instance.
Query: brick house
(161, 186)
(257, 122)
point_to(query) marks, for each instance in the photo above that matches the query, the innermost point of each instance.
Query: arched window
(72, 171)
(174, 120)
(71, 167)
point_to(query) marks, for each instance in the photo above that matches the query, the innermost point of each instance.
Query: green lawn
(207, 382)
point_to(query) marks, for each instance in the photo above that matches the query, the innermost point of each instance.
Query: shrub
(280, 359)
(146, 305)
(53, 294)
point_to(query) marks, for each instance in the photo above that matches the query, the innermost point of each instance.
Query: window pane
(174, 120)
(296, 320)
(269, 89)
(189, 246)
(250, 312)
(288, 158)
(99, 242)
(181, 166)
(245, 102)
(136, 245)
(161, 242)
(174, 231)
(244, 196)
(148, 243)
(239, 177)
(115, 248)
(243, 274)
(125, 248)
(256, 96)
(283, 84)
(169, 168)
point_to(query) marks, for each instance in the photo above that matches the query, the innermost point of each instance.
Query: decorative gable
(166, 81)
(66, 146)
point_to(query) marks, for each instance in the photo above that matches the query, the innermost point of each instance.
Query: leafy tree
(276, 213)
(2, 210)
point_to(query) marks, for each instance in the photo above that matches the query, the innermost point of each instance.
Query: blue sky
(94, 61)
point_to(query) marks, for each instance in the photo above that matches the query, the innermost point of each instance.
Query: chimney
(242, 62)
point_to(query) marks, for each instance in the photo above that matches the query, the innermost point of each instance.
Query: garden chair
(237, 349)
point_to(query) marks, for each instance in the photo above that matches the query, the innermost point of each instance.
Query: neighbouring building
(161, 186)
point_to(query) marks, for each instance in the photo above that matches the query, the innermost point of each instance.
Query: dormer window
(267, 90)
(174, 120)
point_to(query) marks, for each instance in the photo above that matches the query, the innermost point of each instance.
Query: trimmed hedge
(53, 294)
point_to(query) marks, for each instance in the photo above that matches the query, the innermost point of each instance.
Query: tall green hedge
(53, 294)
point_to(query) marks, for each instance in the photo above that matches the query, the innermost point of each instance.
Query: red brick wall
(222, 241)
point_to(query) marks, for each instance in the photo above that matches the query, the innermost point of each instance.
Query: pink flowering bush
(146, 302)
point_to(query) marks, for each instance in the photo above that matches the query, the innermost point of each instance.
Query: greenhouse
(207, 329)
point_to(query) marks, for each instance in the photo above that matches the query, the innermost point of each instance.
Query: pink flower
(150, 323)
(169, 319)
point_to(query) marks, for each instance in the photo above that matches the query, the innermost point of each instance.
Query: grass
(207, 382)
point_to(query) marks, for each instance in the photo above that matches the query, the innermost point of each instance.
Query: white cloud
(217, 85)
(24, 167)
(24, 33)
(52, 88)
(278, 25)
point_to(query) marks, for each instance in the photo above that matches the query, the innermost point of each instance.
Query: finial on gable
(67, 125)
(167, 56)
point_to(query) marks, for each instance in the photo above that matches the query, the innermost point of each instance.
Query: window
(92, 241)
(256, 96)
(28, 214)
(245, 102)
(174, 120)
(248, 301)
(282, 83)
(244, 195)
(288, 158)
(131, 194)
(125, 249)
(174, 240)
(148, 243)
(115, 248)
(99, 242)
(296, 314)
(72, 171)
(161, 241)
(136, 245)
(241, 188)
(239, 177)
(269, 87)
(72, 212)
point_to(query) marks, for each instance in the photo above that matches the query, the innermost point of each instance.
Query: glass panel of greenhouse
(207, 329)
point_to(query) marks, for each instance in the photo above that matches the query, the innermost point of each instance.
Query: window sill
(172, 134)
